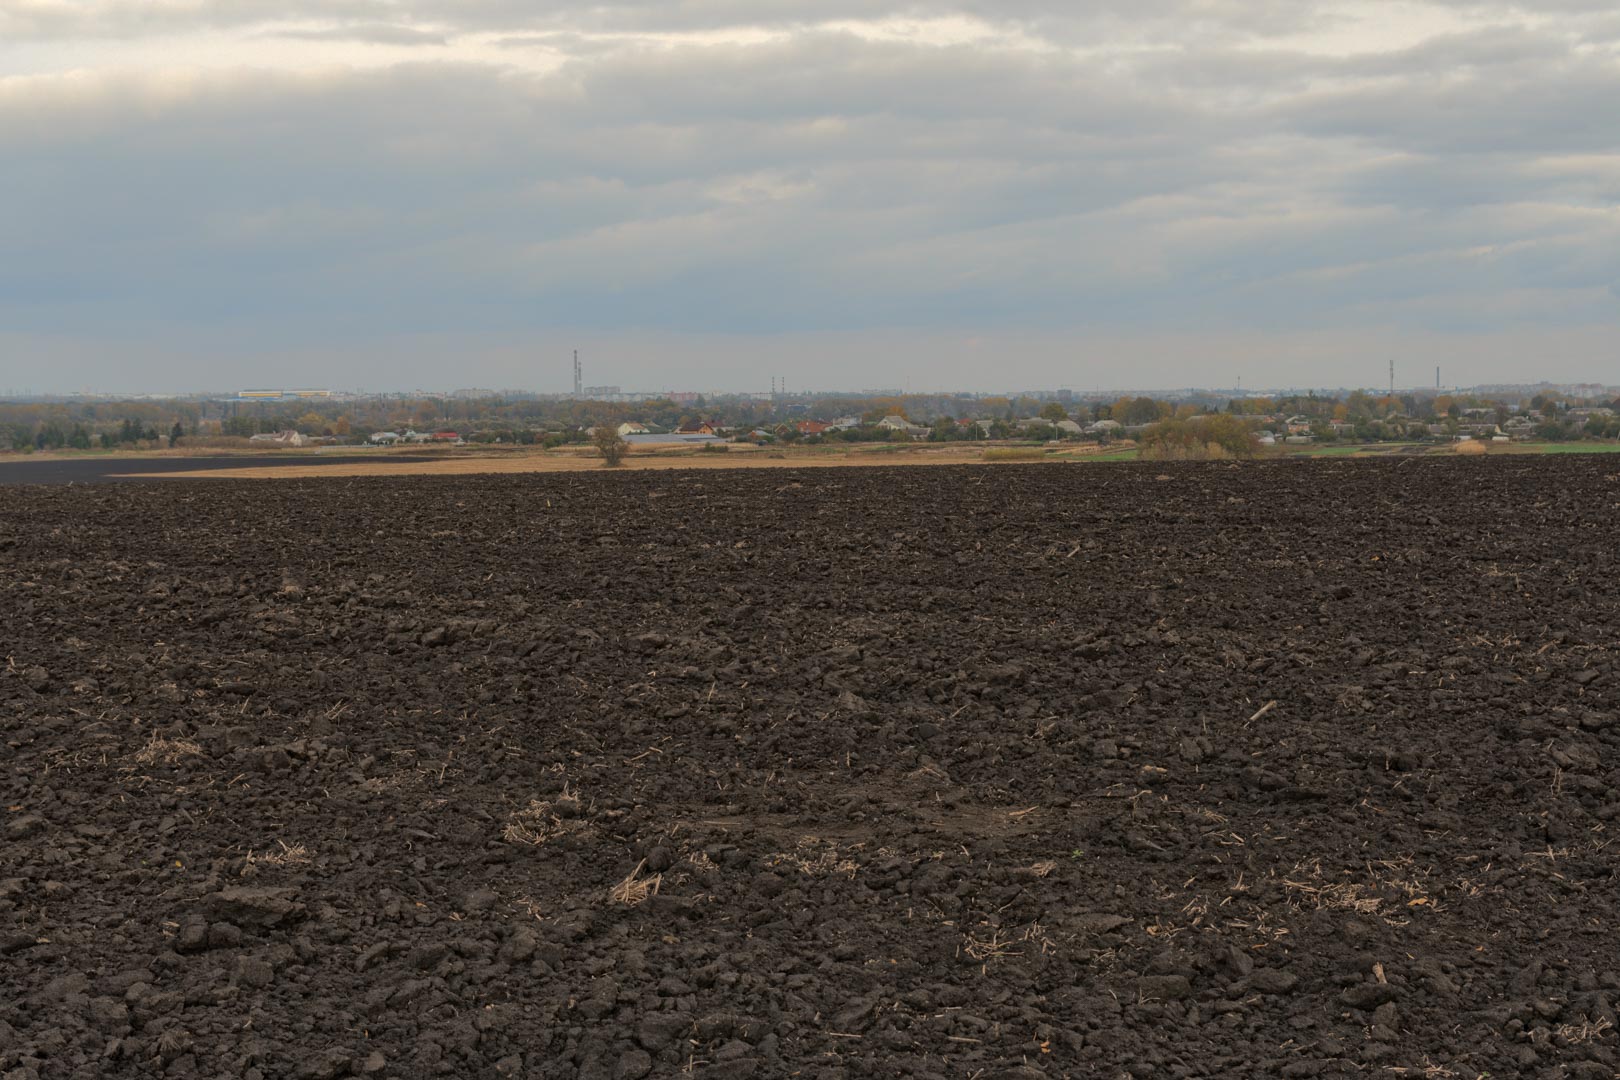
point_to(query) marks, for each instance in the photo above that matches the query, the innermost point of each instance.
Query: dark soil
(947, 772)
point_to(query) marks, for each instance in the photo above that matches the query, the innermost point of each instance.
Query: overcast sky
(704, 194)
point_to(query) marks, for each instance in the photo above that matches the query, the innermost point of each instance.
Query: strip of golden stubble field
(552, 461)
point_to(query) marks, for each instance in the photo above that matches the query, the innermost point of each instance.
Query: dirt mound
(1287, 769)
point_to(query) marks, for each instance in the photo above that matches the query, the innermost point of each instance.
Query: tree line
(1359, 415)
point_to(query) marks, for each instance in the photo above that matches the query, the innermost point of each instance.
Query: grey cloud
(1551, 109)
(369, 33)
(818, 182)
(1187, 20)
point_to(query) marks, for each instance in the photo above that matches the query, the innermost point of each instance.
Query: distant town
(296, 417)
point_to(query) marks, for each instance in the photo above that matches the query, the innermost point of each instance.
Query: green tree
(1052, 412)
(1142, 410)
(176, 433)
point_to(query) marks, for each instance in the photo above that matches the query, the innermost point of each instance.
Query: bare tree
(606, 438)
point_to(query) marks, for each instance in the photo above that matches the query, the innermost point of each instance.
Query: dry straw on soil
(162, 751)
(283, 855)
(1379, 887)
(997, 943)
(543, 819)
(636, 888)
(815, 859)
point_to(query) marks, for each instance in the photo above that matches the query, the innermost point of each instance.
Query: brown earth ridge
(1282, 769)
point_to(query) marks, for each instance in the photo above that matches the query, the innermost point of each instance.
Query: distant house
(1298, 425)
(1104, 427)
(904, 426)
(445, 437)
(700, 427)
(1069, 428)
(632, 427)
(812, 427)
(384, 438)
(1041, 421)
(844, 423)
(1584, 415)
(279, 438)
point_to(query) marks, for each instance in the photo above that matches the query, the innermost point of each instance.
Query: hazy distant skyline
(849, 193)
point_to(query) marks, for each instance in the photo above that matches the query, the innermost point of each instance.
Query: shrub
(610, 444)
(1199, 438)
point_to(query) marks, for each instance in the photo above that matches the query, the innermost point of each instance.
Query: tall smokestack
(579, 388)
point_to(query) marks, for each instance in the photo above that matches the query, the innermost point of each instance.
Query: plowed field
(1287, 769)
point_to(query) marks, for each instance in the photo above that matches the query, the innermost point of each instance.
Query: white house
(279, 438)
(901, 424)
